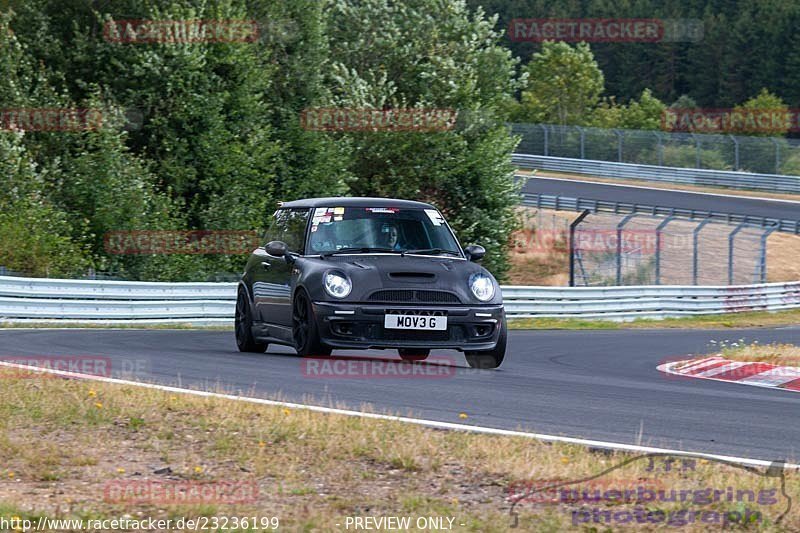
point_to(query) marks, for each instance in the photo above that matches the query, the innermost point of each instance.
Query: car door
(273, 288)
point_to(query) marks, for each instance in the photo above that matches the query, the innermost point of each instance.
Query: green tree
(564, 85)
(766, 114)
(431, 55)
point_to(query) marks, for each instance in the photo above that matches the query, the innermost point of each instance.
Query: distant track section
(576, 195)
(686, 176)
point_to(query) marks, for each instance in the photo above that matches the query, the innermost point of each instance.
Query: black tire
(243, 325)
(304, 328)
(413, 354)
(490, 358)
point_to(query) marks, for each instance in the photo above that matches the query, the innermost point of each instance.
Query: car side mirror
(475, 252)
(276, 248)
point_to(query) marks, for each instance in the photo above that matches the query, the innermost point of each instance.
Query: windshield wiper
(431, 251)
(362, 250)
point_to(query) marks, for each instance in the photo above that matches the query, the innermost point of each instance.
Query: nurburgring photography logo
(663, 490)
(196, 242)
(181, 492)
(185, 31)
(352, 119)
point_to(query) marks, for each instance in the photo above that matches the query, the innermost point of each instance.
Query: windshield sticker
(338, 210)
(322, 215)
(387, 210)
(435, 217)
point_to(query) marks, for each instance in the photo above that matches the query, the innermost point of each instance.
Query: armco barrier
(688, 176)
(49, 300)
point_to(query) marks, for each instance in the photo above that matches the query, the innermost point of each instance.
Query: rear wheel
(304, 328)
(490, 358)
(243, 325)
(413, 354)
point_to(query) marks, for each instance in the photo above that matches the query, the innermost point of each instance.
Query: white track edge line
(408, 420)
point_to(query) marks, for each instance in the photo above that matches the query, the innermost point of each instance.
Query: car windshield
(380, 229)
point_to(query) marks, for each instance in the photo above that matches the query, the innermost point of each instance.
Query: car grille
(414, 296)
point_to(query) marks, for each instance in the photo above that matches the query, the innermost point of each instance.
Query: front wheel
(304, 328)
(243, 325)
(490, 358)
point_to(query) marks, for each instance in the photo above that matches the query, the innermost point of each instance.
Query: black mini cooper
(369, 273)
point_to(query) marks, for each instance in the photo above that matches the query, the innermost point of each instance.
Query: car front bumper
(343, 325)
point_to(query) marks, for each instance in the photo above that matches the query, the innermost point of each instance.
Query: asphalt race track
(591, 384)
(738, 205)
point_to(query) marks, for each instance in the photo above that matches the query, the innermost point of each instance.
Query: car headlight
(482, 287)
(337, 284)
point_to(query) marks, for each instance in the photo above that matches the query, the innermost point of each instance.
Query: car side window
(289, 226)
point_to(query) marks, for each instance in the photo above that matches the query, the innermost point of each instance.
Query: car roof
(342, 201)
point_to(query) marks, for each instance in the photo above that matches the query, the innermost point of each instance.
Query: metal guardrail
(688, 176)
(48, 300)
(563, 203)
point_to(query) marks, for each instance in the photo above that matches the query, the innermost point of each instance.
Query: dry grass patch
(760, 319)
(65, 441)
(776, 353)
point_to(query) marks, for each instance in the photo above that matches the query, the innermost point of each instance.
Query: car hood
(374, 272)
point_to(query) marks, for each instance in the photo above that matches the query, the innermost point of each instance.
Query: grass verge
(759, 319)
(65, 442)
(775, 353)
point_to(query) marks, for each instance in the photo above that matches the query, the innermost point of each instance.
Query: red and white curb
(720, 369)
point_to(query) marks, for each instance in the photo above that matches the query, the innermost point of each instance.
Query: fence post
(658, 247)
(619, 145)
(660, 148)
(696, 150)
(583, 142)
(731, 237)
(762, 259)
(546, 143)
(695, 239)
(619, 246)
(777, 155)
(572, 226)
(735, 152)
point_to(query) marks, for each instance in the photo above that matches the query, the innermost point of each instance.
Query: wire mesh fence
(769, 155)
(637, 249)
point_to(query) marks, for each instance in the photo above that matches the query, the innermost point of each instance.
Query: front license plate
(417, 322)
